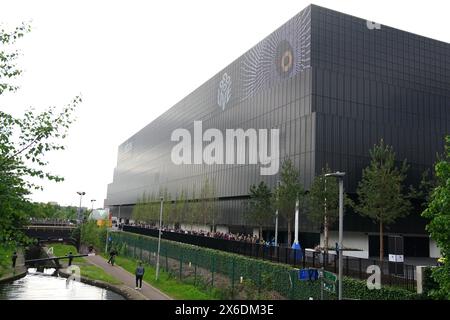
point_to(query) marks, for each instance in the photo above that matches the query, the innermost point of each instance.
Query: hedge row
(263, 274)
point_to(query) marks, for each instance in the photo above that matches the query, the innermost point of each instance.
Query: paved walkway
(128, 279)
(18, 271)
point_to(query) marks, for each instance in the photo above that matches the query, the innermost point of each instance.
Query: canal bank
(62, 271)
(95, 271)
(47, 280)
(46, 285)
(128, 279)
(18, 272)
(121, 289)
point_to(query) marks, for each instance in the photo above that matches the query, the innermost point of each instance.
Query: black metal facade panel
(269, 88)
(332, 85)
(371, 84)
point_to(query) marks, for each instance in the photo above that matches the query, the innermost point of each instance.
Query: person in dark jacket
(139, 275)
(112, 256)
(70, 255)
(14, 258)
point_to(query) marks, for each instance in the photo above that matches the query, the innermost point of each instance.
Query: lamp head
(336, 174)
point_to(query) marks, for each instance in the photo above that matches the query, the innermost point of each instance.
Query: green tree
(287, 193)
(167, 208)
(381, 195)
(24, 143)
(51, 211)
(213, 209)
(92, 234)
(425, 188)
(179, 207)
(207, 210)
(138, 210)
(191, 215)
(153, 207)
(438, 211)
(260, 208)
(323, 202)
(8, 56)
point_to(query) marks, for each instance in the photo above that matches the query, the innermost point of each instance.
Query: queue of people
(248, 238)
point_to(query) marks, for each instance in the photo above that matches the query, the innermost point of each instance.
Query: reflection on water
(44, 271)
(43, 286)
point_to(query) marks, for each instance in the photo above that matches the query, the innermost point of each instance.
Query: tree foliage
(438, 211)
(92, 234)
(8, 56)
(207, 204)
(381, 194)
(179, 208)
(323, 202)
(286, 194)
(24, 143)
(192, 208)
(52, 211)
(260, 208)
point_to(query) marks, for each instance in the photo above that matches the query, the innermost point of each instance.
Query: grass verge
(5, 260)
(167, 284)
(87, 269)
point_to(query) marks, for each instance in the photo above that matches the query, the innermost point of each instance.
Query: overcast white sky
(133, 60)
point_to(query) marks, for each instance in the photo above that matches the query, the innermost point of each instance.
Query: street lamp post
(159, 238)
(276, 228)
(92, 203)
(276, 221)
(340, 176)
(295, 244)
(81, 194)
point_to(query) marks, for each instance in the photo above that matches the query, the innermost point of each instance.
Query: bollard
(420, 277)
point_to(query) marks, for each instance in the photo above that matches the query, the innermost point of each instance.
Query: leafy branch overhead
(438, 211)
(25, 142)
(8, 56)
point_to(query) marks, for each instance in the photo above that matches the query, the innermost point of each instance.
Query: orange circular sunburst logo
(284, 59)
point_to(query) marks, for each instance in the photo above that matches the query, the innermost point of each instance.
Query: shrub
(261, 274)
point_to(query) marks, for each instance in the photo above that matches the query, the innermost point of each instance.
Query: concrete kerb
(154, 288)
(19, 272)
(123, 290)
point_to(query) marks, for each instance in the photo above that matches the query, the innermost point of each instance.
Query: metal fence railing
(353, 267)
(231, 276)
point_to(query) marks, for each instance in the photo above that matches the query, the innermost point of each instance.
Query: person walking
(70, 258)
(14, 258)
(112, 255)
(140, 270)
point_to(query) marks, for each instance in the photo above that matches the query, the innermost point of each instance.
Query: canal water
(46, 286)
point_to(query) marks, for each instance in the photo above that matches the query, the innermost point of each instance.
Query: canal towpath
(128, 279)
(18, 272)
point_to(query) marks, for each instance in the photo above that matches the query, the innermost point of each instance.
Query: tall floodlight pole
(92, 204)
(296, 223)
(159, 238)
(340, 176)
(325, 243)
(81, 194)
(276, 219)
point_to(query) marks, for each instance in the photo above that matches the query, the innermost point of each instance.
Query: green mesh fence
(237, 277)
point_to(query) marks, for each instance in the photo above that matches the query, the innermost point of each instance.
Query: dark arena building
(334, 85)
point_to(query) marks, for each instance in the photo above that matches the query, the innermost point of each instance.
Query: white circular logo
(224, 91)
